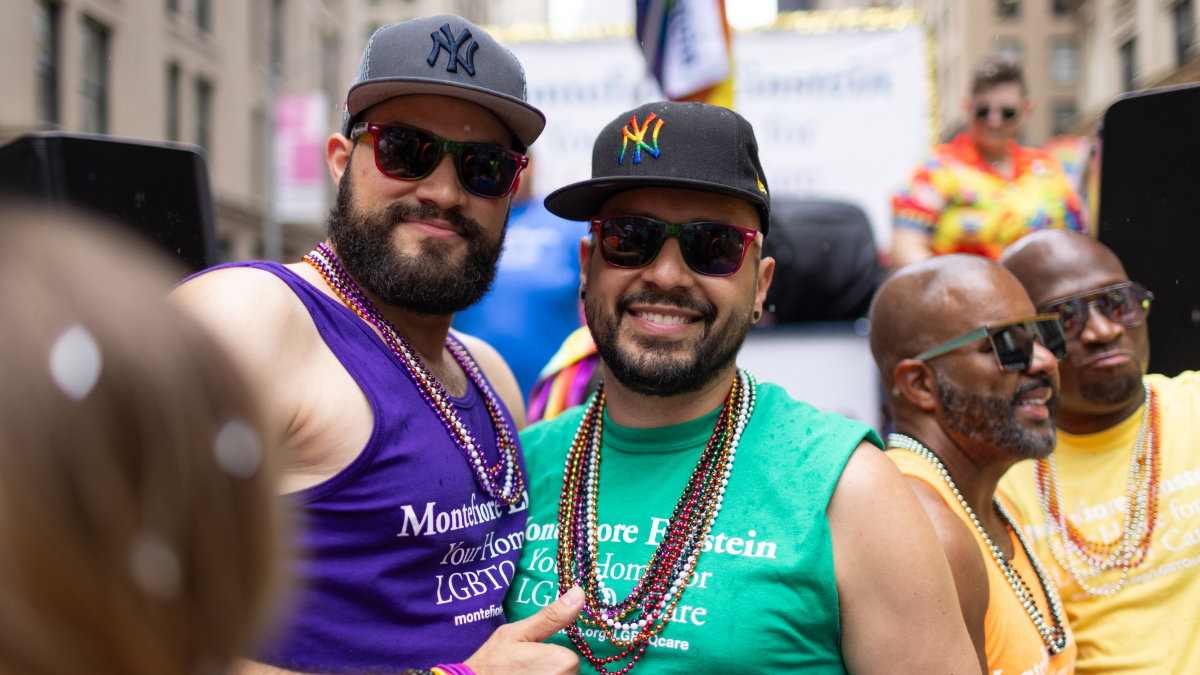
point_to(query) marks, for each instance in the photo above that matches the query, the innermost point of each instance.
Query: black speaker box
(826, 264)
(159, 190)
(1150, 212)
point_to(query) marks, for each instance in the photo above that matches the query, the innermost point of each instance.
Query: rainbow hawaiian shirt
(965, 207)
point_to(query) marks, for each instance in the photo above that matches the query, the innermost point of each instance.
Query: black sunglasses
(711, 249)
(1012, 341)
(484, 169)
(1127, 304)
(983, 112)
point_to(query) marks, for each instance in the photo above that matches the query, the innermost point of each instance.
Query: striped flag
(687, 46)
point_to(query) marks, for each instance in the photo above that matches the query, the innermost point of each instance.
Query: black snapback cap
(449, 56)
(670, 144)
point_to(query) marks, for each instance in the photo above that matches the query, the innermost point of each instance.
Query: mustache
(399, 212)
(1033, 386)
(707, 310)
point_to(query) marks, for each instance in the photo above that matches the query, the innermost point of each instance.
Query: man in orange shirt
(973, 381)
(983, 191)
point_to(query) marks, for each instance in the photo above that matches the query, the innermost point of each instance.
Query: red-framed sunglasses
(711, 249)
(486, 170)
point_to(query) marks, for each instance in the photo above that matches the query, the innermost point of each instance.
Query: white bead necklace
(1054, 637)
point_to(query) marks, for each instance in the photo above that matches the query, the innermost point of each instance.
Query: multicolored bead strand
(512, 490)
(1053, 636)
(1141, 511)
(646, 610)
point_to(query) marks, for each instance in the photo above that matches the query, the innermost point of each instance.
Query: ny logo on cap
(452, 45)
(638, 136)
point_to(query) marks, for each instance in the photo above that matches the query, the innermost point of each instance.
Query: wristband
(453, 669)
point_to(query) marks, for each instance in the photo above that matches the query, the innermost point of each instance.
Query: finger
(553, 618)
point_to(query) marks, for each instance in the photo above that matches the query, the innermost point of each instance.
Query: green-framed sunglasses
(1012, 341)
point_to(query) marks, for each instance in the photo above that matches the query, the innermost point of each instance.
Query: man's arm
(900, 613)
(514, 649)
(966, 562)
(259, 322)
(499, 374)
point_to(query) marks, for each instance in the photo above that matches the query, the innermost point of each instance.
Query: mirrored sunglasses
(485, 170)
(711, 249)
(1012, 341)
(1127, 304)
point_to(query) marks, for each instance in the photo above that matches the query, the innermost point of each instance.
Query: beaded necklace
(511, 492)
(646, 610)
(1141, 511)
(1055, 636)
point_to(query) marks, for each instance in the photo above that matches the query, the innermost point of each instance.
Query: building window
(1008, 9)
(1128, 53)
(204, 96)
(1009, 48)
(1185, 30)
(94, 102)
(204, 15)
(173, 101)
(276, 39)
(1064, 62)
(1064, 112)
(45, 28)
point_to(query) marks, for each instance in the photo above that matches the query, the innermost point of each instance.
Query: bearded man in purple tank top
(399, 436)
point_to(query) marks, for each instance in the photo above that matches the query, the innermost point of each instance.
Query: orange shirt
(1011, 641)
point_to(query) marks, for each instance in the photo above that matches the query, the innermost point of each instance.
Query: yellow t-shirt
(1150, 625)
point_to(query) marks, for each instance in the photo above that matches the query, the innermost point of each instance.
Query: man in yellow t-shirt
(1115, 512)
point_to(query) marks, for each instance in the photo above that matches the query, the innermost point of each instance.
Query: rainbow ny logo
(638, 136)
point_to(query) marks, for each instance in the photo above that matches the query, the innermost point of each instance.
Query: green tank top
(763, 594)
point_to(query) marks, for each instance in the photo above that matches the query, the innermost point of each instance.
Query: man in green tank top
(728, 526)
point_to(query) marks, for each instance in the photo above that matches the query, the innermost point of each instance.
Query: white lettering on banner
(466, 516)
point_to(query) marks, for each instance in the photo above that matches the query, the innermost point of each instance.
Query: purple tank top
(404, 559)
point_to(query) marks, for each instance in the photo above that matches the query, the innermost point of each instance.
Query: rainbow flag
(563, 382)
(687, 46)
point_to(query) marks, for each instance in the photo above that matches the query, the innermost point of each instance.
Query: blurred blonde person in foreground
(983, 191)
(137, 523)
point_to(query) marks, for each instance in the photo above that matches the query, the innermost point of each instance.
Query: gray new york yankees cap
(670, 144)
(449, 56)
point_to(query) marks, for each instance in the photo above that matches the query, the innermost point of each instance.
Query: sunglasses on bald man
(1012, 341)
(1127, 304)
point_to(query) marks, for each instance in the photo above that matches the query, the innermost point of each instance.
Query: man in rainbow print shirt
(983, 191)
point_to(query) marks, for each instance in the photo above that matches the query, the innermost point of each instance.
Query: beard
(423, 280)
(658, 367)
(992, 420)
(1109, 391)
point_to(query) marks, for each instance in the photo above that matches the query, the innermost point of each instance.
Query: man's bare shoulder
(959, 543)
(891, 572)
(250, 311)
(498, 373)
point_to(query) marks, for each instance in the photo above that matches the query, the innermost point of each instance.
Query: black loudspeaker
(1150, 212)
(158, 189)
(826, 263)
